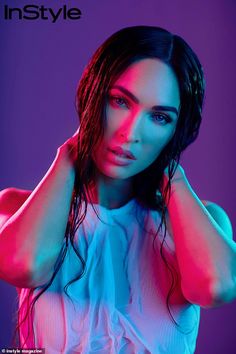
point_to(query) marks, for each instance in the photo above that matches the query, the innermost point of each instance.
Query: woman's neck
(111, 193)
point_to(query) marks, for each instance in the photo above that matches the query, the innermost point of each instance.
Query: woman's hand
(179, 176)
(70, 148)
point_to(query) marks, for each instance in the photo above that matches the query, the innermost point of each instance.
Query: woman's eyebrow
(135, 99)
(126, 92)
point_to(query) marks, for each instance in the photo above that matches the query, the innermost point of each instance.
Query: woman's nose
(130, 131)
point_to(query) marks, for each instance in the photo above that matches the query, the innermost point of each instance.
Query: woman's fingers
(178, 176)
(76, 133)
(70, 147)
(179, 172)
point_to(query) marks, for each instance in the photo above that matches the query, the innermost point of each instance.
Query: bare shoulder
(11, 200)
(220, 216)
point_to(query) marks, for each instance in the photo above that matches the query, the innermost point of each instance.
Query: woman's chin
(116, 173)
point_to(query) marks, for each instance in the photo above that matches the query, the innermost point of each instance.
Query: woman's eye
(161, 118)
(118, 101)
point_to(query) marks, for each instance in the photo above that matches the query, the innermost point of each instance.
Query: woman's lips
(119, 151)
(120, 156)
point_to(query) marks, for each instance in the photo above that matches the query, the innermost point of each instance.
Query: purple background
(40, 64)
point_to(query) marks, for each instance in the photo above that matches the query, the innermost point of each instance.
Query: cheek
(156, 139)
(116, 120)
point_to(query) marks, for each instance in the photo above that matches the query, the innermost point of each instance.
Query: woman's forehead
(150, 80)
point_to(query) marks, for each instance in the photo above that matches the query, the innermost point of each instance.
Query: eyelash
(154, 115)
(167, 118)
(114, 99)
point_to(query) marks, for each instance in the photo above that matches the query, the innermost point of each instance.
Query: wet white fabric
(119, 305)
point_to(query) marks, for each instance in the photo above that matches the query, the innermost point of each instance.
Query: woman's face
(141, 117)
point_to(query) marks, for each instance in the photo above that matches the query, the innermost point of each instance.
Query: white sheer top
(119, 305)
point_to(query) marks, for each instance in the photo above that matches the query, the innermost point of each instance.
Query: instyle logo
(41, 12)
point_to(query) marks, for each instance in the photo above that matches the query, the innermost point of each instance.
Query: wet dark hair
(108, 62)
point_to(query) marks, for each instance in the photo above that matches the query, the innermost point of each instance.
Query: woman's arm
(205, 250)
(31, 239)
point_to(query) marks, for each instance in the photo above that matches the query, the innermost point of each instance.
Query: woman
(113, 252)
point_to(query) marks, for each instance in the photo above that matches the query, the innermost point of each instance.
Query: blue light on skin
(141, 117)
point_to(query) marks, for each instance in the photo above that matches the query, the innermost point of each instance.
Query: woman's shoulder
(220, 216)
(11, 200)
